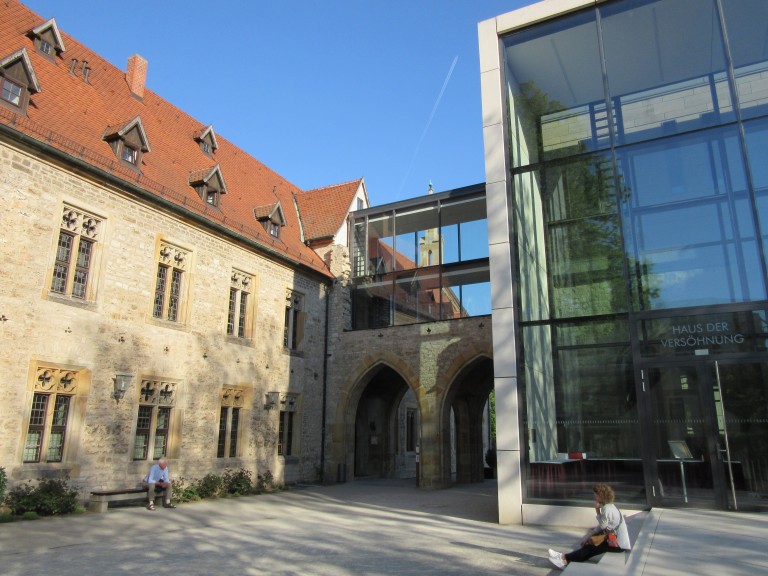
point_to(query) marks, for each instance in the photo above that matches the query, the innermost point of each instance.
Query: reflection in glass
(679, 83)
(468, 289)
(582, 428)
(631, 192)
(464, 230)
(555, 90)
(418, 241)
(688, 227)
(418, 297)
(380, 245)
(740, 404)
(372, 302)
(425, 262)
(578, 255)
(748, 41)
(757, 151)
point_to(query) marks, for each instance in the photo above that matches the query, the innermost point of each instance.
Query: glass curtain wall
(636, 144)
(421, 261)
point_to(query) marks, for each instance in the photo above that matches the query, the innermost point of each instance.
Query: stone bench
(100, 499)
(632, 562)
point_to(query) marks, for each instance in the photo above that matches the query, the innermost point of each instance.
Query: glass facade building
(421, 260)
(633, 138)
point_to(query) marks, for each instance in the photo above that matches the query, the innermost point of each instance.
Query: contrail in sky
(429, 121)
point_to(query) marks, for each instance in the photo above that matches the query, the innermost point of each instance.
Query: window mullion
(49, 413)
(152, 429)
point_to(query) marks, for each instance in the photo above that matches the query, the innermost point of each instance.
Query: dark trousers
(586, 552)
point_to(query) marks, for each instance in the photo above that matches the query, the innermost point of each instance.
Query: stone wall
(431, 358)
(117, 333)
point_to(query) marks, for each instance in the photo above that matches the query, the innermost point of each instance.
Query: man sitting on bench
(158, 479)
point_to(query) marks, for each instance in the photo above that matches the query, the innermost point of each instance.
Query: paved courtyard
(366, 527)
(363, 527)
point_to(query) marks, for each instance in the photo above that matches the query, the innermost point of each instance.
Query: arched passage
(463, 407)
(378, 429)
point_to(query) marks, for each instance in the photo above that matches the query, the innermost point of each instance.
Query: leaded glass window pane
(32, 446)
(143, 423)
(173, 301)
(61, 267)
(221, 447)
(233, 432)
(242, 315)
(82, 267)
(161, 432)
(231, 311)
(162, 277)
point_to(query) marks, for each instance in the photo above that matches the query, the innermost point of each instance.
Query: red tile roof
(323, 210)
(72, 115)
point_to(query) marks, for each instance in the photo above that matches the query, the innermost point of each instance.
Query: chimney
(136, 75)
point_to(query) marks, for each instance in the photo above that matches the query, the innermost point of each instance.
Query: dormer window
(207, 140)
(128, 141)
(271, 217)
(209, 183)
(45, 47)
(129, 154)
(48, 41)
(17, 81)
(12, 92)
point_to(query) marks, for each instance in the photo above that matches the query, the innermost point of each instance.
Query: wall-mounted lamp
(121, 385)
(3, 318)
(166, 349)
(205, 355)
(121, 339)
(272, 400)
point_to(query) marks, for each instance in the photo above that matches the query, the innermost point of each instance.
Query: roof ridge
(333, 185)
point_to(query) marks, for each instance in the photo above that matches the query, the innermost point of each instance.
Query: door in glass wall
(708, 421)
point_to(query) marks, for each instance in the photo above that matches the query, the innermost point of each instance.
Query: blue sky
(321, 91)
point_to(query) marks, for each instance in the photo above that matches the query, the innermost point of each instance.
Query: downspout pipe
(326, 354)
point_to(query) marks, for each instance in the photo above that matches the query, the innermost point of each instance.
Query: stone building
(159, 295)
(166, 294)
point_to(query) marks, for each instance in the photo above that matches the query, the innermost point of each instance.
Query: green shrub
(266, 482)
(31, 515)
(184, 491)
(3, 484)
(210, 485)
(51, 497)
(8, 517)
(20, 499)
(238, 482)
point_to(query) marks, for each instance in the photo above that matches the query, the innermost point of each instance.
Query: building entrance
(707, 432)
